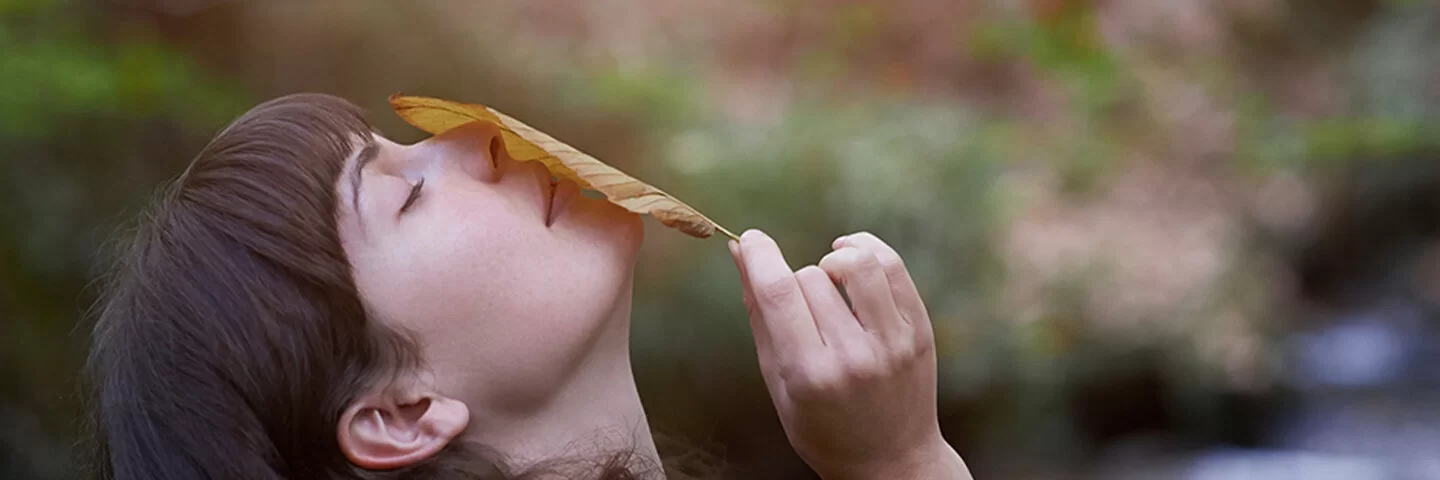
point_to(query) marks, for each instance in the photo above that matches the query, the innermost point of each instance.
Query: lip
(560, 195)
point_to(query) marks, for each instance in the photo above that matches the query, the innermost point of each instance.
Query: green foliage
(54, 79)
(1068, 50)
(663, 98)
(1390, 107)
(85, 121)
(16, 8)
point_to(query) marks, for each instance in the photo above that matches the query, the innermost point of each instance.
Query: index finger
(785, 316)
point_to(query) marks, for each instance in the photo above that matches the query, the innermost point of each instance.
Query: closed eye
(414, 195)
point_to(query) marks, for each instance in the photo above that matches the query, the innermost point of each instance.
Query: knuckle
(887, 254)
(867, 261)
(907, 350)
(891, 261)
(922, 347)
(812, 382)
(751, 309)
(845, 261)
(811, 273)
(831, 264)
(863, 366)
(776, 291)
(790, 373)
(868, 371)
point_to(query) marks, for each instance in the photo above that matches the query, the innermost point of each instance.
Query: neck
(596, 414)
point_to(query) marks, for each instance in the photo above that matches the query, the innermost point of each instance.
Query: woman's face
(507, 280)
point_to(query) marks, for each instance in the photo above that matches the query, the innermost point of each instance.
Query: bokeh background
(1159, 239)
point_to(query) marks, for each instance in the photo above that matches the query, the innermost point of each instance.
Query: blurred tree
(91, 119)
(1094, 195)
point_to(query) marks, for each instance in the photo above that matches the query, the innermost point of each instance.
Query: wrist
(936, 461)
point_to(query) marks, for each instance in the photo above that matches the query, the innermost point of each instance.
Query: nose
(477, 148)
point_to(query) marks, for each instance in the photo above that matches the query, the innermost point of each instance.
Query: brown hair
(230, 335)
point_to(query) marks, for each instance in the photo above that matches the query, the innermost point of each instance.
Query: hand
(855, 388)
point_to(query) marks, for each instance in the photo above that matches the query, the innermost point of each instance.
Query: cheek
(484, 256)
(451, 265)
(500, 302)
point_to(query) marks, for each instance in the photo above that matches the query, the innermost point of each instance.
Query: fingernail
(734, 247)
(838, 241)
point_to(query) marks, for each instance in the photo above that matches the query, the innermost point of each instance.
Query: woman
(310, 300)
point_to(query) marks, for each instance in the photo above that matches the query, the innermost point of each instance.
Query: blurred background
(1184, 239)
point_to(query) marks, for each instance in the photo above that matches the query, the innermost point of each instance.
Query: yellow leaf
(524, 144)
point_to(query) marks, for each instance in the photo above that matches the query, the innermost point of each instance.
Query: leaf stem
(726, 232)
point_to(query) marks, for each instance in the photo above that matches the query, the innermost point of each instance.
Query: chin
(630, 233)
(598, 222)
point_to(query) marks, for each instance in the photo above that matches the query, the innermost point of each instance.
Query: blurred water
(1269, 465)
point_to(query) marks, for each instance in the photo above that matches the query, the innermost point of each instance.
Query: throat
(595, 415)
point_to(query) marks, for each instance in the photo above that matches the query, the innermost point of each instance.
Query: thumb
(739, 258)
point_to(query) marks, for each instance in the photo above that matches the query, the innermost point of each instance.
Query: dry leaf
(528, 144)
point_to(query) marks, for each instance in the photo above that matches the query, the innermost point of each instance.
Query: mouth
(561, 191)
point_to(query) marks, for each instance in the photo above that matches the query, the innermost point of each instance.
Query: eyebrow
(366, 155)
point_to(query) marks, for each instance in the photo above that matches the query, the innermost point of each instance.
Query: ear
(387, 430)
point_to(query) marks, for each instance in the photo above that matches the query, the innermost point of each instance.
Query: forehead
(368, 151)
(369, 155)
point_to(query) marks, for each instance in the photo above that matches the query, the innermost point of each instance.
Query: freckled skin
(506, 307)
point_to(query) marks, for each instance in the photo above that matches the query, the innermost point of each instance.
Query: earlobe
(385, 431)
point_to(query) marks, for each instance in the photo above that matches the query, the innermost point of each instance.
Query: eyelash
(414, 195)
